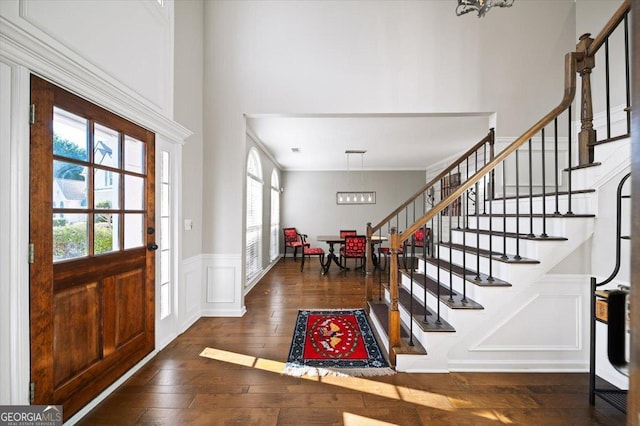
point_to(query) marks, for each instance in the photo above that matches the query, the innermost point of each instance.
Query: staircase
(485, 296)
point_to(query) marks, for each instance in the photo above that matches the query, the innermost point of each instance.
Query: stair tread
(548, 216)
(583, 166)
(454, 302)
(511, 234)
(418, 314)
(511, 258)
(381, 311)
(547, 194)
(468, 274)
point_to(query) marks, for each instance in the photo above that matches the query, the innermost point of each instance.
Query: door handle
(152, 247)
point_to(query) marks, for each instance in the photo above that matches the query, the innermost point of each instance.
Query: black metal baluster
(484, 181)
(406, 217)
(569, 212)
(490, 278)
(424, 296)
(627, 72)
(459, 207)
(450, 211)
(431, 248)
(557, 170)
(465, 201)
(517, 256)
(414, 211)
(438, 269)
(466, 194)
(607, 86)
(504, 210)
(477, 234)
(530, 191)
(413, 245)
(381, 272)
(544, 191)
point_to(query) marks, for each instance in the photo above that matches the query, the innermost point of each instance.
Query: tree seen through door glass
(69, 135)
(106, 146)
(106, 231)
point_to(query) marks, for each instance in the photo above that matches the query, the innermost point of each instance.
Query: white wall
(309, 200)
(591, 16)
(363, 57)
(188, 80)
(117, 54)
(96, 31)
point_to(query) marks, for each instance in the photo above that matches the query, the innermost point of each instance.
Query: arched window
(254, 216)
(274, 245)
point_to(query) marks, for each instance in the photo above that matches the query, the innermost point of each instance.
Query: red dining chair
(311, 251)
(421, 239)
(347, 232)
(354, 248)
(293, 239)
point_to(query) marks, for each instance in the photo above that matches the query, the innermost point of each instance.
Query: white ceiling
(392, 141)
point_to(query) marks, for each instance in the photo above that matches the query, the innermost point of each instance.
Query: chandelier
(480, 6)
(355, 197)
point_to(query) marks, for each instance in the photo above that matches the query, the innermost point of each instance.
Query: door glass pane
(164, 200)
(164, 233)
(106, 146)
(164, 267)
(164, 178)
(106, 231)
(133, 227)
(106, 189)
(69, 135)
(69, 185)
(165, 301)
(134, 155)
(133, 193)
(70, 236)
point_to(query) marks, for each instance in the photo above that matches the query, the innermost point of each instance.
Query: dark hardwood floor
(243, 385)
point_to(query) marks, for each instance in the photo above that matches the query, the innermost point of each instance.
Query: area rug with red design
(335, 342)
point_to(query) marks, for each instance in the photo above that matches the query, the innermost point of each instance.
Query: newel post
(394, 313)
(587, 135)
(368, 277)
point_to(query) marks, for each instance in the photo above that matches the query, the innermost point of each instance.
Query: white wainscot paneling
(190, 292)
(545, 323)
(131, 41)
(223, 294)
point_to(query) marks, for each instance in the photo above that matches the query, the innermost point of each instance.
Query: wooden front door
(93, 239)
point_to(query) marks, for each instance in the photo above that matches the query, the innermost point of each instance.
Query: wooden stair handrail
(609, 27)
(571, 60)
(489, 138)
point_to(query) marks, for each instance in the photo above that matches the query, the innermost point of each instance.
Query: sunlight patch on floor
(402, 393)
(350, 419)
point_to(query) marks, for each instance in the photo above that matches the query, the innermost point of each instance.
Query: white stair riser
(528, 248)
(554, 225)
(580, 203)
